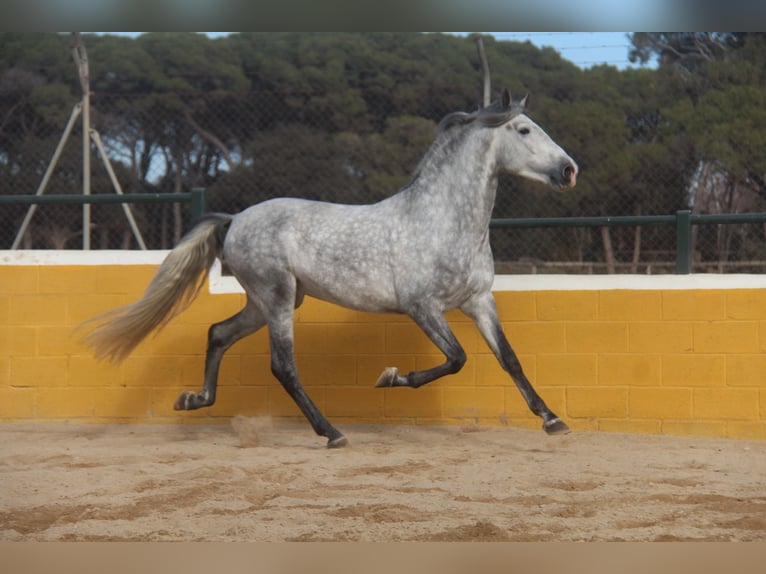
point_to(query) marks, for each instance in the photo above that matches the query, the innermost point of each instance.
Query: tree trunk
(164, 227)
(606, 238)
(636, 246)
(103, 238)
(178, 188)
(579, 242)
(636, 250)
(211, 138)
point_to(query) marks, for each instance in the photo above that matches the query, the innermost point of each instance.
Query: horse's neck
(459, 186)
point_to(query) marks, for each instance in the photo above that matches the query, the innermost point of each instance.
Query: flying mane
(492, 116)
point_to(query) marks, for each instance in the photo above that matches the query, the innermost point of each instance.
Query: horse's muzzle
(566, 176)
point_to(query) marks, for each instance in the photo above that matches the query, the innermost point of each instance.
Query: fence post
(198, 203)
(683, 242)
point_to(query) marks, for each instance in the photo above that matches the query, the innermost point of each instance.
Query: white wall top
(227, 284)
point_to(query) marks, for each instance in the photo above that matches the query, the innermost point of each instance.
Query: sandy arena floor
(252, 481)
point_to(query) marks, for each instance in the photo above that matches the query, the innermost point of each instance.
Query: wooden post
(81, 60)
(484, 70)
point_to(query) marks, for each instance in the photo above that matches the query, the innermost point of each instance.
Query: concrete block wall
(675, 355)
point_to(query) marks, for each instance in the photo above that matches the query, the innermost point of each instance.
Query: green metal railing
(683, 221)
(197, 197)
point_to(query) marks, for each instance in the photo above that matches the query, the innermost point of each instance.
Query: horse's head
(523, 148)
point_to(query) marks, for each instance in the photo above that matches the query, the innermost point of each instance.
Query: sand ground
(254, 481)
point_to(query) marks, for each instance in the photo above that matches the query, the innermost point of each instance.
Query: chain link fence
(246, 146)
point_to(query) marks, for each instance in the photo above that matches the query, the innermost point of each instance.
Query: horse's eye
(524, 131)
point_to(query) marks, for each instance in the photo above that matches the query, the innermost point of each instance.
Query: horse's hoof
(556, 426)
(387, 377)
(184, 401)
(339, 442)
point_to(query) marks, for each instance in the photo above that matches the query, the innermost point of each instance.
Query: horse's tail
(114, 334)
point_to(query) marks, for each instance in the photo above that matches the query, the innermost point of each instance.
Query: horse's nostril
(569, 172)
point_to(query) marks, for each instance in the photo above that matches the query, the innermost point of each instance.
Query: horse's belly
(352, 289)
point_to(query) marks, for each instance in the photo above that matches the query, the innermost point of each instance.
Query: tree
(165, 94)
(346, 117)
(688, 51)
(722, 117)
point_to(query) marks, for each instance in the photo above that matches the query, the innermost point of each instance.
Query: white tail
(114, 334)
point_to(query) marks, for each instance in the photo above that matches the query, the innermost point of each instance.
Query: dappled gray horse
(420, 252)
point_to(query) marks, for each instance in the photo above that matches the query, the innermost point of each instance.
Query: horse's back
(284, 223)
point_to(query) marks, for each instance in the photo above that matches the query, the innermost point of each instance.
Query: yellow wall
(676, 361)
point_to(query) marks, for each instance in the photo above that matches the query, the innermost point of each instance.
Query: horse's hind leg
(220, 337)
(284, 369)
(483, 311)
(279, 300)
(434, 325)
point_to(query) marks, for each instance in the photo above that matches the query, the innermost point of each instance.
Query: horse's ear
(524, 102)
(506, 98)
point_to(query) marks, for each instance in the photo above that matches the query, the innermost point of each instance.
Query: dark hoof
(556, 426)
(188, 401)
(339, 442)
(183, 401)
(387, 378)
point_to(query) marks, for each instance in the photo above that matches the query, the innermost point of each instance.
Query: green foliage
(347, 116)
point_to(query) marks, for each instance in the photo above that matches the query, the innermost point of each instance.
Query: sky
(585, 49)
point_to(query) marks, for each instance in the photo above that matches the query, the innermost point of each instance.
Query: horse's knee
(457, 361)
(215, 338)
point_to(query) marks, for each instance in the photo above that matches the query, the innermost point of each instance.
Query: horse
(421, 252)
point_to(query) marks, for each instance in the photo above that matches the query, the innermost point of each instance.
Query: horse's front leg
(483, 311)
(433, 324)
(220, 337)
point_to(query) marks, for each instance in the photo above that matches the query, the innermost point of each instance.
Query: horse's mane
(494, 115)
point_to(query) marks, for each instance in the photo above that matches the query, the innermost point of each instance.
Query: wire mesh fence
(351, 137)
